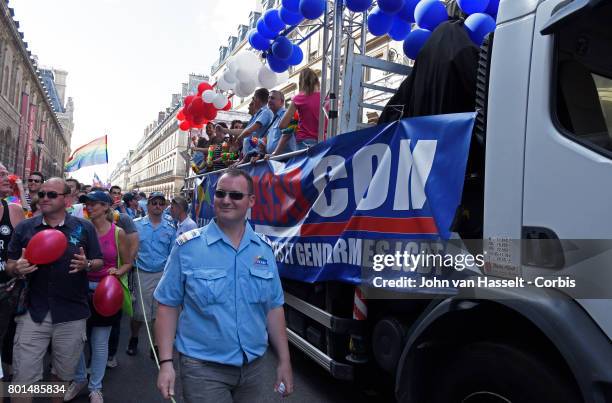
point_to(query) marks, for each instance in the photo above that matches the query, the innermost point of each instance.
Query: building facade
(31, 136)
(121, 174)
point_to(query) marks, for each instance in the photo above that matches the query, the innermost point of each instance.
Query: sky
(125, 58)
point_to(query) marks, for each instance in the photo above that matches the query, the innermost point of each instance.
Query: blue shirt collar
(214, 234)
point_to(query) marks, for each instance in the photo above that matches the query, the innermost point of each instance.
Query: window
(583, 103)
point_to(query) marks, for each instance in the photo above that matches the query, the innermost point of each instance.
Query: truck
(544, 101)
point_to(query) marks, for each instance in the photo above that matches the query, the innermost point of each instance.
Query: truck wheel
(489, 372)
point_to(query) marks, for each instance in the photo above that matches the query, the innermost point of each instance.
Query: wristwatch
(88, 268)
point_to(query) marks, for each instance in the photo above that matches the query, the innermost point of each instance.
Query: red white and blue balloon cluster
(279, 51)
(201, 108)
(395, 17)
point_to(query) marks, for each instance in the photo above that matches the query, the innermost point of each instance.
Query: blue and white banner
(400, 181)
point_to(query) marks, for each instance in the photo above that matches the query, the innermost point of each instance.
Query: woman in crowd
(306, 103)
(117, 262)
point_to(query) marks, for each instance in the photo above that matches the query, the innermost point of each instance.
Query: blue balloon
(282, 48)
(406, 13)
(492, 8)
(415, 41)
(257, 41)
(292, 5)
(399, 29)
(379, 22)
(290, 18)
(312, 9)
(478, 26)
(430, 13)
(296, 56)
(358, 6)
(273, 20)
(473, 6)
(264, 30)
(276, 65)
(390, 6)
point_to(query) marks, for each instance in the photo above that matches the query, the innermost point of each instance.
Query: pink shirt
(109, 252)
(308, 111)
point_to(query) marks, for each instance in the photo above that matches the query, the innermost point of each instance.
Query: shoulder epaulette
(264, 238)
(137, 219)
(188, 236)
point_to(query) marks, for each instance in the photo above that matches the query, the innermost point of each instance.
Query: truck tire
(491, 372)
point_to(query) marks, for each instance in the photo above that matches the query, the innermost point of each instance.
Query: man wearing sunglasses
(156, 240)
(57, 292)
(35, 181)
(224, 276)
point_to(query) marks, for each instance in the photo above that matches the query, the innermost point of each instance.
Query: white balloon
(266, 77)
(282, 78)
(229, 76)
(220, 101)
(246, 74)
(208, 96)
(245, 88)
(224, 85)
(232, 64)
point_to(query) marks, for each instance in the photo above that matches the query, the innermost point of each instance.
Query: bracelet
(163, 361)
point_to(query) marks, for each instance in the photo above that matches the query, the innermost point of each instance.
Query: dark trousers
(113, 341)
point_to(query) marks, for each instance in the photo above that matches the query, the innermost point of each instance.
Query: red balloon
(185, 125)
(228, 106)
(108, 296)
(197, 108)
(188, 100)
(46, 247)
(203, 86)
(180, 115)
(200, 126)
(210, 112)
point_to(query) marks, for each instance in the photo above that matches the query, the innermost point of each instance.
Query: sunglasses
(51, 194)
(232, 195)
(157, 203)
(34, 180)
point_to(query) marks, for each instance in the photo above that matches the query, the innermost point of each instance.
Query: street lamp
(39, 144)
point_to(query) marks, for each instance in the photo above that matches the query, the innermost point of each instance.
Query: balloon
(264, 30)
(180, 115)
(224, 85)
(379, 22)
(296, 56)
(492, 8)
(358, 6)
(220, 101)
(108, 296)
(430, 13)
(46, 247)
(201, 125)
(282, 77)
(196, 108)
(203, 86)
(312, 9)
(406, 13)
(400, 29)
(185, 126)
(246, 88)
(266, 77)
(227, 106)
(232, 66)
(208, 96)
(478, 26)
(257, 41)
(292, 5)
(290, 18)
(390, 6)
(210, 112)
(276, 65)
(282, 48)
(473, 6)
(273, 20)
(230, 76)
(246, 74)
(415, 41)
(188, 100)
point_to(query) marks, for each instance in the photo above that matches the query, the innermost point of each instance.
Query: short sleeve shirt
(264, 117)
(126, 223)
(274, 133)
(226, 294)
(155, 244)
(51, 287)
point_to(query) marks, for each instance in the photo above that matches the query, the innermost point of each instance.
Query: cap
(128, 197)
(181, 202)
(98, 196)
(157, 195)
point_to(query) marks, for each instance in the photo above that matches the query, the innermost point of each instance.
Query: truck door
(568, 153)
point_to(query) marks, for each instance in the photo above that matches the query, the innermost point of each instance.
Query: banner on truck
(399, 181)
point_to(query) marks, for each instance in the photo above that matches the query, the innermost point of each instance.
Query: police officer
(232, 304)
(157, 237)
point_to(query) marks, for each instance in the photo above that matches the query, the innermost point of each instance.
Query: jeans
(98, 340)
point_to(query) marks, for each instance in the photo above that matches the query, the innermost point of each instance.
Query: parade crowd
(213, 294)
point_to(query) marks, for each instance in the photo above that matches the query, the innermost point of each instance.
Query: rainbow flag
(92, 153)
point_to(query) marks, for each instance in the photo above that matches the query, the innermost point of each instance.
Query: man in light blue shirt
(157, 238)
(179, 208)
(224, 276)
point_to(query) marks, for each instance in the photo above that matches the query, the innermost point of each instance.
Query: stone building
(31, 136)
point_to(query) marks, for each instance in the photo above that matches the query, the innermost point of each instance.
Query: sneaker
(112, 362)
(74, 389)
(95, 396)
(132, 346)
